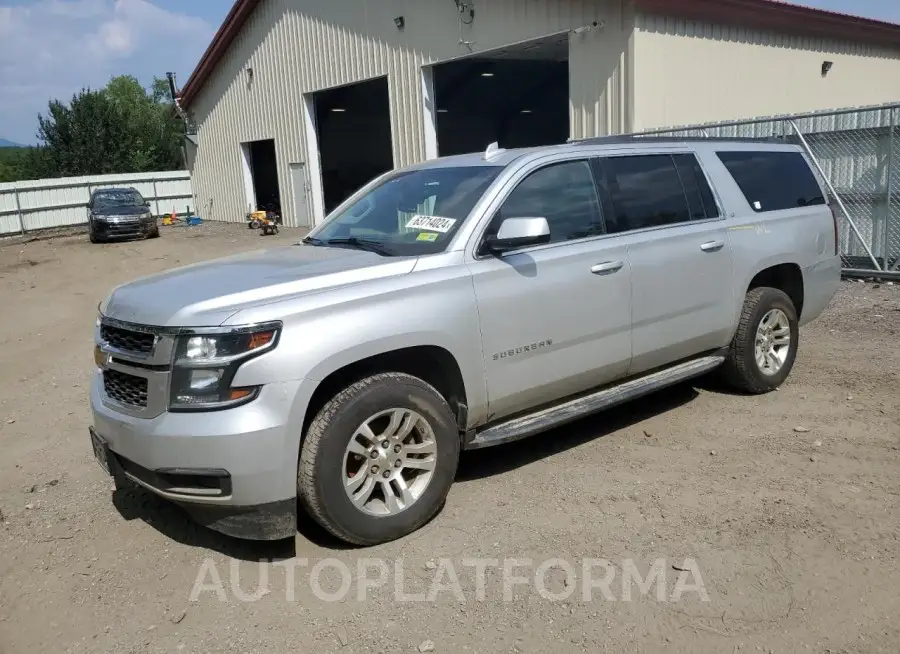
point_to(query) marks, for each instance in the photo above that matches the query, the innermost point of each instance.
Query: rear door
(681, 264)
(555, 318)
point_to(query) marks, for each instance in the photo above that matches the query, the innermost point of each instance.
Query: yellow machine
(256, 219)
(265, 221)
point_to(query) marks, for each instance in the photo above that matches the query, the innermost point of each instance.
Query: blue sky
(53, 48)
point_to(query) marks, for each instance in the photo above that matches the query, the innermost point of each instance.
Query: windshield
(118, 198)
(411, 213)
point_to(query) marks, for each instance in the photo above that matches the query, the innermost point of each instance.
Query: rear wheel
(764, 347)
(378, 459)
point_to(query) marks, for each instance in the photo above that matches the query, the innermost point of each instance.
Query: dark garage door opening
(264, 170)
(518, 97)
(353, 125)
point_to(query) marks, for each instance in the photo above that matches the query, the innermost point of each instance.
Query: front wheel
(379, 459)
(764, 347)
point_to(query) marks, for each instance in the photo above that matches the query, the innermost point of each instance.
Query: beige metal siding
(689, 72)
(300, 46)
(599, 64)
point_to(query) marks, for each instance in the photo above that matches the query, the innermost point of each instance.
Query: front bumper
(123, 228)
(233, 470)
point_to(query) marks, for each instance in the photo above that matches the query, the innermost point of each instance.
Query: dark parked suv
(120, 212)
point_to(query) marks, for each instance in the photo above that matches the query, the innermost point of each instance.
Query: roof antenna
(493, 150)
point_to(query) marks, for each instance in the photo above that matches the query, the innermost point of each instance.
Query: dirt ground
(788, 505)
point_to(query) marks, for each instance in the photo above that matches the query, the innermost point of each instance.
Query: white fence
(43, 203)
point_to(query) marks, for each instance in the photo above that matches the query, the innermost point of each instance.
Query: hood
(208, 293)
(122, 210)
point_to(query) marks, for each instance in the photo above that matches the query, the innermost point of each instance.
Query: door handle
(712, 246)
(607, 267)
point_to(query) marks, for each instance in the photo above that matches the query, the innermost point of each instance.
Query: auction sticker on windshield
(432, 223)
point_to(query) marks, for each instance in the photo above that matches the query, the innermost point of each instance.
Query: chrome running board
(554, 416)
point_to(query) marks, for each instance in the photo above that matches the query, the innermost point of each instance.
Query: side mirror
(517, 233)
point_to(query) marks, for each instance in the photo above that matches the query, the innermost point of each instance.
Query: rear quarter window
(773, 181)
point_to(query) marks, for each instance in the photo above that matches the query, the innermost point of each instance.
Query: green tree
(12, 164)
(159, 91)
(86, 137)
(150, 120)
(122, 128)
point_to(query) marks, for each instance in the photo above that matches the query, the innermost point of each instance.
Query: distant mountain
(9, 144)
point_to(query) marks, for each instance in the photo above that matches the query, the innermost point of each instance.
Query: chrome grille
(125, 388)
(127, 339)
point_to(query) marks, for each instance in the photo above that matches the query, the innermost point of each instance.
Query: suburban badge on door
(522, 350)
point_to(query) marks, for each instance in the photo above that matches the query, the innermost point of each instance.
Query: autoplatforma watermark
(466, 580)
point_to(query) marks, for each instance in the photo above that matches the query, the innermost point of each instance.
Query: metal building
(299, 102)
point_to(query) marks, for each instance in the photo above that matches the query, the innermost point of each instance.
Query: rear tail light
(834, 217)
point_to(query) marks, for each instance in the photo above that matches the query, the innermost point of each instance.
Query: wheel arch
(786, 277)
(433, 364)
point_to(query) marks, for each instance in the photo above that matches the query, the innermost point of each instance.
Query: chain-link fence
(857, 153)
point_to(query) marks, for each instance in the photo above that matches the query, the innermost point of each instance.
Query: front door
(555, 318)
(681, 266)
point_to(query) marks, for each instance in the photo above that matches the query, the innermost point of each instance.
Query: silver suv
(459, 303)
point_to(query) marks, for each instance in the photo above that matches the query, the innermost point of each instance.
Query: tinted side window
(772, 181)
(696, 188)
(645, 191)
(564, 194)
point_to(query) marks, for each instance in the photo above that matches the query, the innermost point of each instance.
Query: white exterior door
(302, 216)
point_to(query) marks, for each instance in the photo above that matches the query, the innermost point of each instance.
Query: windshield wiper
(367, 244)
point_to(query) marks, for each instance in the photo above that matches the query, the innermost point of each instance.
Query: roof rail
(650, 138)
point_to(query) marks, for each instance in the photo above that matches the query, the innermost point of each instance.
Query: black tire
(154, 232)
(320, 474)
(94, 238)
(741, 370)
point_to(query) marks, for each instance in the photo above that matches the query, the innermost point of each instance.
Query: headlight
(205, 365)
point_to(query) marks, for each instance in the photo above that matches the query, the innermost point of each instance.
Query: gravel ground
(784, 509)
